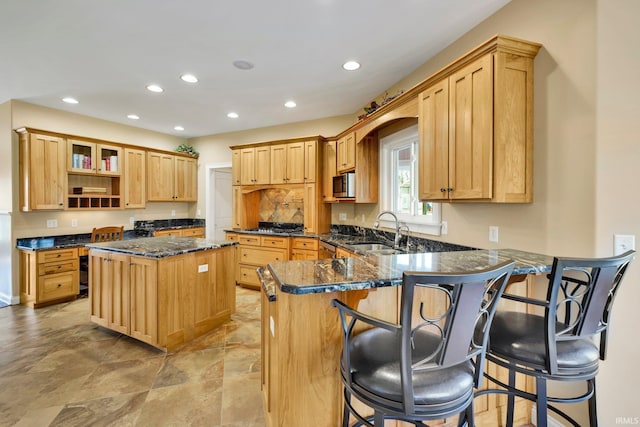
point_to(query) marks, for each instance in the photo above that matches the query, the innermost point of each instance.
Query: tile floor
(58, 369)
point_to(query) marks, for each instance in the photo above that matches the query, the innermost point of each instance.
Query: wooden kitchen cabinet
(328, 171)
(48, 276)
(164, 302)
(93, 158)
(310, 205)
(312, 161)
(197, 232)
(257, 251)
(476, 131)
(135, 176)
(255, 165)
(346, 153)
(43, 174)
(171, 178)
(304, 248)
(236, 165)
(287, 163)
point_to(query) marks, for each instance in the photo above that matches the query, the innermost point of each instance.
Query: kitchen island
(164, 291)
(301, 332)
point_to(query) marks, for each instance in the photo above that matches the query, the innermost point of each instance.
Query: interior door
(222, 203)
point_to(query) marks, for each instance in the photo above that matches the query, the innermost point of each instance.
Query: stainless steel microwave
(344, 185)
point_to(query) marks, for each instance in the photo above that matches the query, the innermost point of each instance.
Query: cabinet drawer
(193, 232)
(249, 239)
(176, 232)
(274, 242)
(304, 243)
(58, 267)
(261, 257)
(247, 274)
(56, 286)
(57, 255)
(233, 237)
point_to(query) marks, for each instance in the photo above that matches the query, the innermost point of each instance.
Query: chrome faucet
(398, 236)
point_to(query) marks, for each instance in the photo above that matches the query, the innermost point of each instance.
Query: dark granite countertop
(68, 240)
(160, 247)
(141, 229)
(346, 274)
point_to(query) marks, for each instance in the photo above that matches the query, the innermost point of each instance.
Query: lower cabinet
(164, 302)
(183, 232)
(304, 248)
(257, 251)
(48, 276)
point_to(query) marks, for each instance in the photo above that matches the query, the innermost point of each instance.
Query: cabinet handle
(59, 285)
(443, 190)
(277, 259)
(244, 255)
(449, 189)
(59, 267)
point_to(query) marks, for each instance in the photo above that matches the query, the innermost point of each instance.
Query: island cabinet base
(164, 302)
(301, 346)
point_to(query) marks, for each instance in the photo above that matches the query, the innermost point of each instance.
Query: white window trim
(425, 225)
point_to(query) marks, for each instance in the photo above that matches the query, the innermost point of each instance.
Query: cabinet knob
(449, 189)
(59, 255)
(443, 190)
(59, 267)
(59, 285)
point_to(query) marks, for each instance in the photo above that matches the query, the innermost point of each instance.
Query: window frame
(417, 223)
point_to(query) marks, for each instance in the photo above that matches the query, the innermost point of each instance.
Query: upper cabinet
(476, 126)
(328, 171)
(134, 171)
(254, 163)
(287, 163)
(66, 172)
(43, 174)
(93, 158)
(171, 178)
(346, 153)
(235, 167)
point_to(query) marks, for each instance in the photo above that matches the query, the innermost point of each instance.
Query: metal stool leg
(593, 413)
(511, 398)
(541, 402)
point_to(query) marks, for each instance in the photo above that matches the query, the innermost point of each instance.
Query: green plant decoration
(186, 148)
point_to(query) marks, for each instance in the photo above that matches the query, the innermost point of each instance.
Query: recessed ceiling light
(178, 128)
(351, 65)
(290, 104)
(189, 78)
(233, 115)
(242, 65)
(155, 88)
(70, 100)
(133, 116)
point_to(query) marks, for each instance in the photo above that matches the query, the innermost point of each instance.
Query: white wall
(617, 205)
(6, 239)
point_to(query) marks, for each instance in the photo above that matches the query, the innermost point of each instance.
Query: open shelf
(110, 198)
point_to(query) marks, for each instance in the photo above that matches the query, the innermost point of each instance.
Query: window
(399, 183)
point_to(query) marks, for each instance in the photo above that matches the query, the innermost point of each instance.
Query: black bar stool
(426, 367)
(557, 343)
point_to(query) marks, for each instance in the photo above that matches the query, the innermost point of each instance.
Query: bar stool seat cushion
(376, 364)
(520, 337)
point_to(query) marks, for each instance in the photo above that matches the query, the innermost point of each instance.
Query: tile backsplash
(282, 205)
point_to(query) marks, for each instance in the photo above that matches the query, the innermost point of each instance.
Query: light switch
(623, 243)
(493, 233)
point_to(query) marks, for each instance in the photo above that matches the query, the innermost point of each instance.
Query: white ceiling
(104, 53)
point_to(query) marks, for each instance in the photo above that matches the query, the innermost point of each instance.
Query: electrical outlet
(493, 233)
(623, 243)
(198, 212)
(444, 228)
(52, 223)
(342, 216)
(132, 220)
(74, 222)
(202, 268)
(362, 218)
(173, 212)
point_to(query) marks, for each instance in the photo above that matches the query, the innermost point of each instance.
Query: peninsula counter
(164, 291)
(301, 332)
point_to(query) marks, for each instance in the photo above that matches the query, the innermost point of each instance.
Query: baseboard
(8, 299)
(551, 422)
